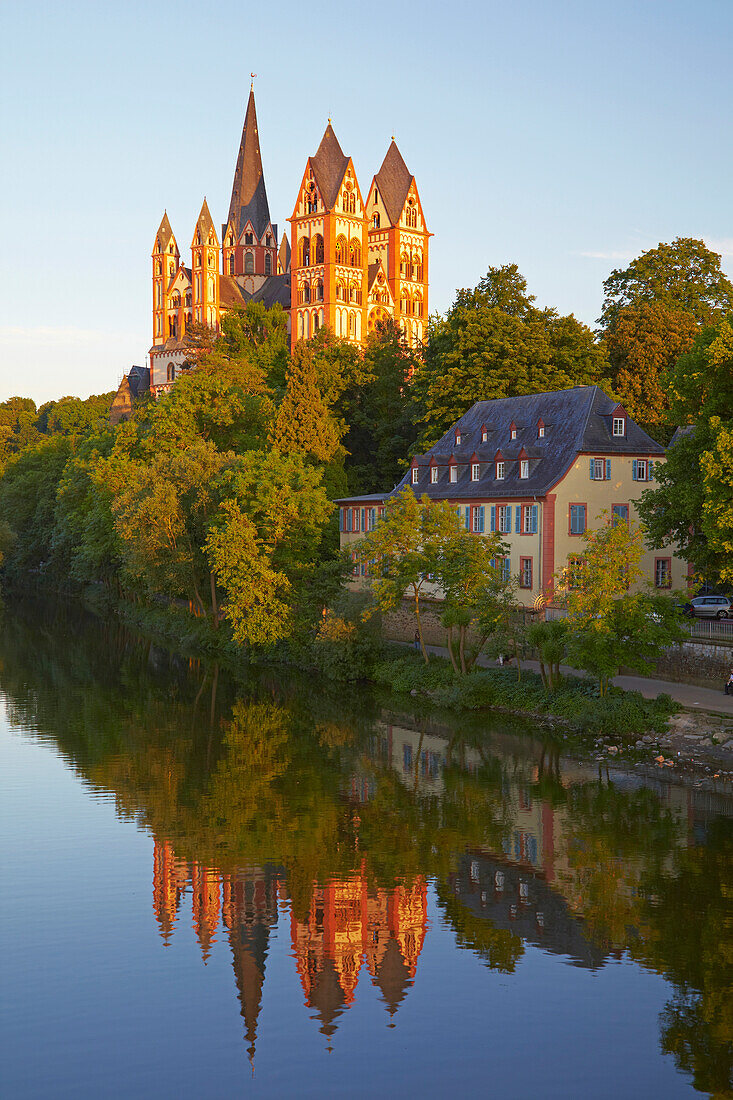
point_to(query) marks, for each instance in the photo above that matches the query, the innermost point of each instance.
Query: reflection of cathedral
(348, 924)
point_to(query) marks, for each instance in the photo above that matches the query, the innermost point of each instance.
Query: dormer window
(540, 430)
(475, 471)
(454, 473)
(458, 439)
(500, 471)
(484, 434)
(433, 474)
(513, 431)
(619, 426)
(524, 467)
(415, 475)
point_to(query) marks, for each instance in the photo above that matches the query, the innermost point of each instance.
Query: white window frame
(619, 427)
(602, 475)
(541, 432)
(524, 468)
(458, 439)
(484, 436)
(453, 477)
(527, 519)
(500, 471)
(513, 433)
(433, 475)
(475, 471)
(639, 475)
(415, 475)
(503, 518)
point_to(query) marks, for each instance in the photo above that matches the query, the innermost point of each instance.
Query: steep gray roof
(329, 165)
(577, 421)
(276, 288)
(393, 182)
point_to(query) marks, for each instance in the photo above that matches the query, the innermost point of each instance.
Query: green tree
(403, 550)
(684, 275)
(18, 428)
(468, 570)
(644, 343)
(609, 626)
(550, 639)
(495, 343)
(379, 411)
(691, 503)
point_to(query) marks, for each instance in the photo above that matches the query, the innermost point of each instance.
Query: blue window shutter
(650, 470)
(468, 518)
(341, 519)
(634, 470)
(493, 563)
(533, 523)
(592, 469)
(518, 518)
(349, 525)
(608, 469)
(493, 517)
(363, 519)
(481, 519)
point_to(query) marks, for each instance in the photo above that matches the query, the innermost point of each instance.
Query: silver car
(712, 607)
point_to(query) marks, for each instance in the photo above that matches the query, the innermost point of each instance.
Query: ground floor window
(662, 572)
(525, 572)
(620, 512)
(577, 519)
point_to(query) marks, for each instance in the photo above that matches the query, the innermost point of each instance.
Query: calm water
(276, 888)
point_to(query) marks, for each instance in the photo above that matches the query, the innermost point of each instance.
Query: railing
(716, 630)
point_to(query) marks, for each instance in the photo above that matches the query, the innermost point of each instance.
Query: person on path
(729, 684)
(417, 641)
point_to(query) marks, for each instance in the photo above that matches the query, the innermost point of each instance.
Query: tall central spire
(249, 197)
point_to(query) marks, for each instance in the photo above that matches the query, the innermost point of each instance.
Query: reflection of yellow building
(170, 876)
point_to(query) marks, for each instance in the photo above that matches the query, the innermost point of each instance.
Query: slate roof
(206, 222)
(249, 197)
(329, 165)
(164, 234)
(231, 294)
(577, 421)
(393, 181)
(276, 288)
(139, 380)
(682, 430)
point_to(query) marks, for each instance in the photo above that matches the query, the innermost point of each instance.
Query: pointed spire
(283, 256)
(249, 197)
(329, 165)
(393, 181)
(164, 234)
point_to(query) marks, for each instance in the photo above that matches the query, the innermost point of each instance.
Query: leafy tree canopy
(684, 275)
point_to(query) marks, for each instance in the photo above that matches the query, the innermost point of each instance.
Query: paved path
(696, 698)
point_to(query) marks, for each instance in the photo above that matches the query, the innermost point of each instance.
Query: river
(275, 886)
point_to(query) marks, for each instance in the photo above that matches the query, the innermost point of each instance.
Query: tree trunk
(214, 605)
(450, 650)
(543, 674)
(462, 648)
(419, 626)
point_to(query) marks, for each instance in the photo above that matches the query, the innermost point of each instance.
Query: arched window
(188, 318)
(171, 326)
(198, 238)
(350, 324)
(404, 304)
(316, 322)
(318, 249)
(305, 292)
(404, 265)
(375, 221)
(188, 298)
(212, 295)
(158, 295)
(268, 264)
(341, 250)
(231, 264)
(159, 268)
(305, 252)
(354, 253)
(319, 290)
(249, 264)
(170, 372)
(417, 306)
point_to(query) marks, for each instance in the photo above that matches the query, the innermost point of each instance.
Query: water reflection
(279, 804)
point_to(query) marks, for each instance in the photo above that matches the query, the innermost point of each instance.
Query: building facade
(357, 259)
(540, 470)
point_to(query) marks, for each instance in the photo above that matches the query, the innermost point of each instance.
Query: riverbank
(624, 725)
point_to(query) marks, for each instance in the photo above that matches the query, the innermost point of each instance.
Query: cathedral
(357, 258)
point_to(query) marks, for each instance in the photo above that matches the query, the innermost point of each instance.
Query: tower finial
(252, 82)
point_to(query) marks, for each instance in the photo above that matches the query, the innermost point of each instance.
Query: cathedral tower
(166, 260)
(205, 270)
(249, 237)
(328, 264)
(398, 237)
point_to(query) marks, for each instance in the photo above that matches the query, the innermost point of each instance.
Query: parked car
(712, 607)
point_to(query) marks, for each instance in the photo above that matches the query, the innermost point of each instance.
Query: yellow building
(540, 470)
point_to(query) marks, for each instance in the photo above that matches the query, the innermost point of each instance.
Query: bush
(348, 645)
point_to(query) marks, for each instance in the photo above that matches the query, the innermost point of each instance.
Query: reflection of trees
(688, 936)
(498, 947)
(258, 772)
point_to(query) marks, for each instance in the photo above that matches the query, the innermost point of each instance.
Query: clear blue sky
(565, 136)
